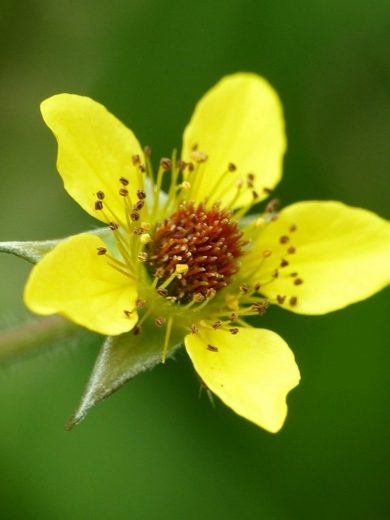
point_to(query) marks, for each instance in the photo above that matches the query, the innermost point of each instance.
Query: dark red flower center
(207, 241)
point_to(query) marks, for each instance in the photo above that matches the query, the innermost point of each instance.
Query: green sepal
(33, 251)
(121, 358)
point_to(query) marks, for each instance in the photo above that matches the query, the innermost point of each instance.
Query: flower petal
(251, 371)
(94, 151)
(73, 280)
(338, 255)
(239, 121)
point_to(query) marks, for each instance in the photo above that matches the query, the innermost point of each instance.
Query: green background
(155, 450)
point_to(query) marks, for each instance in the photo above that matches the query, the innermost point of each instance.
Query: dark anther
(101, 251)
(136, 159)
(113, 226)
(293, 228)
(293, 300)
(294, 274)
(268, 191)
(100, 195)
(275, 273)
(298, 281)
(244, 288)
(260, 307)
(283, 263)
(211, 348)
(134, 215)
(191, 167)
(136, 330)
(139, 205)
(160, 321)
(98, 205)
(165, 163)
(194, 328)
(123, 192)
(255, 195)
(127, 313)
(194, 147)
(234, 330)
(147, 151)
(141, 194)
(257, 287)
(181, 164)
(233, 317)
(162, 292)
(140, 303)
(217, 325)
(280, 299)
(272, 206)
(291, 250)
(138, 231)
(284, 239)
(232, 167)
(142, 168)
(123, 181)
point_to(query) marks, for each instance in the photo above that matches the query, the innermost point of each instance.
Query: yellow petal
(251, 371)
(73, 280)
(342, 256)
(94, 151)
(239, 121)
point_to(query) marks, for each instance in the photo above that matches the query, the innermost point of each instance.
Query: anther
(101, 251)
(162, 292)
(268, 191)
(234, 330)
(136, 330)
(142, 168)
(291, 250)
(275, 273)
(138, 231)
(233, 317)
(185, 185)
(145, 238)
(136, 159)
(217, 325)
(284, 263)
(140, 303)
(298, 281)
(293, 301)
(134, 215)
(113, 226)
(127, 313)
(260, 307)
(147, 151)
(124, 181)
(284, 239)
(142, 256)
(139, 205)
(232, 167)
(198, 157)
(123, 192)
(100, 195)
(244, 288)
(272, 206)
(280, 299)
(191, 167)
(98, 205)
(141, 194)
(267, 253)
(293, 228)
(211, 348)
(257, 287)
(294, 274)
(194, 328)
(198, 297)
(181, 164)
(165, 163)
(160, 321)
(255, 195)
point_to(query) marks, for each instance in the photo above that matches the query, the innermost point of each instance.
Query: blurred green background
(155, 450)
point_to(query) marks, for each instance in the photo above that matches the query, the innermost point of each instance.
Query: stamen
(212, 348)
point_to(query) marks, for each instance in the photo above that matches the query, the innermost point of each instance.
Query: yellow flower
(189, 262)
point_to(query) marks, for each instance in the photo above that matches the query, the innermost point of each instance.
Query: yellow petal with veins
(73, 280)
(239, 121)
(251, 371)
(327, 255)
(94, 151)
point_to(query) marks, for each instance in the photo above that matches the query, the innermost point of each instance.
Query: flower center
(206, 241)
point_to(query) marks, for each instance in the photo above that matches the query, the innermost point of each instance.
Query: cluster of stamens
(207, 241)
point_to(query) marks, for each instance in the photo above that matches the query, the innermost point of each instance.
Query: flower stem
(36, 336)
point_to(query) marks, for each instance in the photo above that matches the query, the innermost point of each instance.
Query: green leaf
(120, 359)
(33, 251)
